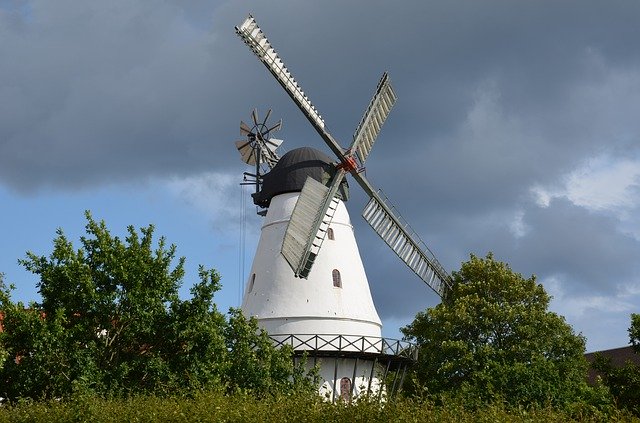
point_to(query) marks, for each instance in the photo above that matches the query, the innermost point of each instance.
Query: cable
(242, 244)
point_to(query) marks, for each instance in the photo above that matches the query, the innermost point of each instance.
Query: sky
(516, 131)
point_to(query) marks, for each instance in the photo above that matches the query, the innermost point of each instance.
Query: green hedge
(218, 407)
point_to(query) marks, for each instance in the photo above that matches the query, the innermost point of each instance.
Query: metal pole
(373, 366)
(353, 379)
(257, 167)
(383, 379)
(395, 380)
(335, 376)
(404, 371)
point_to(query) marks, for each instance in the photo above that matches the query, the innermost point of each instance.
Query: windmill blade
(253, 37)
(375, 115)
(254, 115)
(247, 151)
(266, 118)
(276, 127)
(273, 143)
(268, 151)
(398, 235)
(244, 129)
(309, 222)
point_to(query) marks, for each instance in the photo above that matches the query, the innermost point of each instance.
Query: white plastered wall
(284, 304)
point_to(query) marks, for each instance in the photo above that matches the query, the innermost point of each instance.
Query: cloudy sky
(516, 131)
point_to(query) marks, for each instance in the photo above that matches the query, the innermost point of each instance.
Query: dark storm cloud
(97, 91)
(494, 98)
(584, 249)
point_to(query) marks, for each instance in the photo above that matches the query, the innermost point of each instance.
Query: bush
(216, 406)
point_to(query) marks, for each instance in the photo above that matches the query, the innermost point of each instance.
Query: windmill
(315, 296)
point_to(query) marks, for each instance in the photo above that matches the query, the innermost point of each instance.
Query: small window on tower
(330, 234)
(253, 280)
(337, 281)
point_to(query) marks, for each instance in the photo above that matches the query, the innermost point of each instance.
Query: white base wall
(345, 367)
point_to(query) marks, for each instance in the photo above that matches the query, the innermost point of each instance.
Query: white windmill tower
(318, 299)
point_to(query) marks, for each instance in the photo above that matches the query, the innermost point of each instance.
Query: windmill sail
(406, 244)
(308, 224)
(255, 39)
(375, 115)
(253, 36)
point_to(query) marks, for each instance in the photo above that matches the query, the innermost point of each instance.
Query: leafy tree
(254, 365)
(111, 321)
(623, 382)
(38, 357)
(493, 338)
(634, 332)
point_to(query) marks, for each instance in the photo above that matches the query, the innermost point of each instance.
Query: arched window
(253, 280)
(337, 281)
(345, 389)
(330, 234)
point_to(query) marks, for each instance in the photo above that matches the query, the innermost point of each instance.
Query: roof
(618, 356)
(292, 170)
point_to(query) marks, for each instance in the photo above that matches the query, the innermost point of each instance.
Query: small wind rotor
(316, 204)
(259, 147)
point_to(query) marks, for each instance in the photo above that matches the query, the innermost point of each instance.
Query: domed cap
(292, 170)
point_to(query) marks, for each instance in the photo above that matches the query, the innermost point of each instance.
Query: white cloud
(210, 192)
(543, 196)
(623, 300)
(606, 316)
(602, 184)
(219, 196)
(517, 226)
(605, 185)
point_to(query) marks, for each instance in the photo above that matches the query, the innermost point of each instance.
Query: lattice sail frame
(407, 245)
(253, 36)
(308, 224)
(375, 115)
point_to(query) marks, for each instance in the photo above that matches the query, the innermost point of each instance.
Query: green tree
(624, 381)
(634, 332)
(493, 338)
(254, 365)
(111, 321)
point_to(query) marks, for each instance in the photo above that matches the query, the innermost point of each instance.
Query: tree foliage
(493, 337)
(3, 351)
(634, 332)
(111, 321)
(624, 381)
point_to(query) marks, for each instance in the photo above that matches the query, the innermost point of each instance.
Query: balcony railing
(349, 344)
